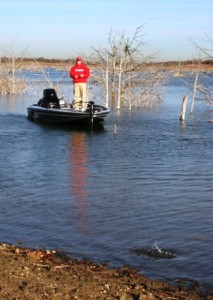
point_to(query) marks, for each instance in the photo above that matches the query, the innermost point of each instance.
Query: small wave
(154, 251)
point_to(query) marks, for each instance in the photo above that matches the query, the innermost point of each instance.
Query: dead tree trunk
(193, 94)
(119, 84)
(183, 108)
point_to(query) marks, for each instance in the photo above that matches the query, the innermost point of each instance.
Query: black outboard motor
(50, 99)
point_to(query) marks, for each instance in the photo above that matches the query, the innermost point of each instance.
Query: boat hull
(66, 115)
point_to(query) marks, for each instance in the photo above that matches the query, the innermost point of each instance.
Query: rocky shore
(29, 274)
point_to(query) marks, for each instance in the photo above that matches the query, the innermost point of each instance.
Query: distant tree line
(4, 59)
(69, 61)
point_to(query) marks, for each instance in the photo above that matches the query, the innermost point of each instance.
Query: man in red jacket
(80, 74)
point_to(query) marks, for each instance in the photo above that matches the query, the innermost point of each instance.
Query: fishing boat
(51, 109)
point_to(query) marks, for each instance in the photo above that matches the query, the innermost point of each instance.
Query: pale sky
(66, 28)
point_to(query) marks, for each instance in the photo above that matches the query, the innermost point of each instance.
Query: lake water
(143, 181)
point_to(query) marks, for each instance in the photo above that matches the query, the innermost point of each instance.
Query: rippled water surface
(141, 181)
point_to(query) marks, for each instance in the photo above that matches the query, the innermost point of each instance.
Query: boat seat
(50, 99)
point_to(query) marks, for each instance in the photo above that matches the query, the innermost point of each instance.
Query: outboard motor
(50, 99)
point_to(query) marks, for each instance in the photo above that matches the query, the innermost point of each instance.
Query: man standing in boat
(80, 74)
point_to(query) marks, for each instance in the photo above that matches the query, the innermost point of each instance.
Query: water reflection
(182, 124)
(79, 176)
(13, 104)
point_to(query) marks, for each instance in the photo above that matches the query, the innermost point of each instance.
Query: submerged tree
(203, 85)
(10, 65)
(125, 72)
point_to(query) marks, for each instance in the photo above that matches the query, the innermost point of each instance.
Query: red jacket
(79, 73)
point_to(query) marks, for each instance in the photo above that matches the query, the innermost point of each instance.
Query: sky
(66, 28)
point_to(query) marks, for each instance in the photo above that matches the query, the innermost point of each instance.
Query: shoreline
(28, 274)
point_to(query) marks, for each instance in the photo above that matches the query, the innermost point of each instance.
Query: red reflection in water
(79, 175)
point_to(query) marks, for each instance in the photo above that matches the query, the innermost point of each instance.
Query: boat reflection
(73, 128)
(79, 176)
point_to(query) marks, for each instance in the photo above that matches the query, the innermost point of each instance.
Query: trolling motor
(91, 109)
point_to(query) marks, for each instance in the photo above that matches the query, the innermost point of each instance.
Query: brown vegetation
(188, 64)
(166, 65)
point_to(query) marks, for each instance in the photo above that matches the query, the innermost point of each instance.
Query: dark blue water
(142, 180)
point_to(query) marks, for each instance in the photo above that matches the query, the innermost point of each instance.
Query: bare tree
(203, 86)
(207, 51)
(10, 64)
(125, 73)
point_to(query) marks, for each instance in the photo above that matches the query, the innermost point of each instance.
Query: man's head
(78, 59)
